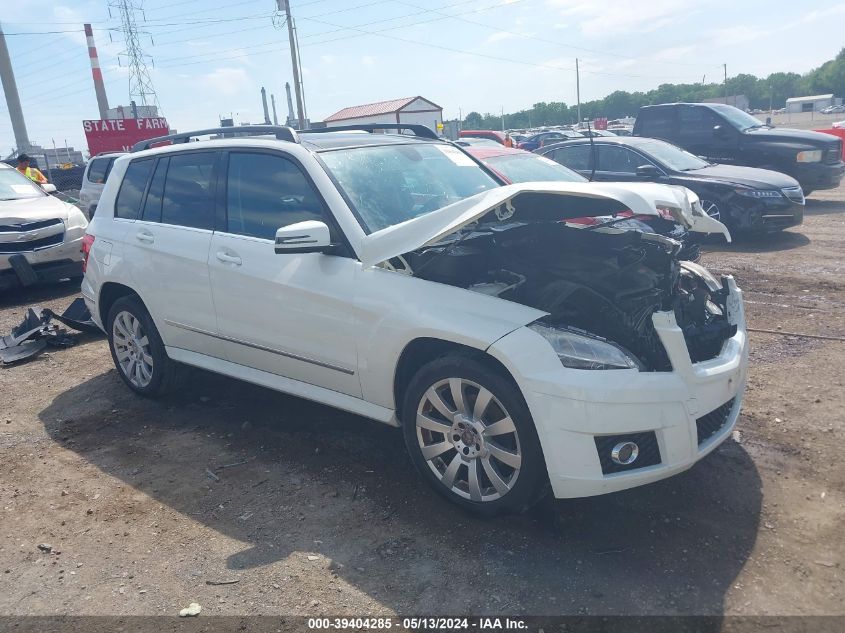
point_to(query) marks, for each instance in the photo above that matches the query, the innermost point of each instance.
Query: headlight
(809, 156)
(759, 193)
(697, 269)
(578, 351)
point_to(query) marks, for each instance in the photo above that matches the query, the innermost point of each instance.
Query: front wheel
(471, 436)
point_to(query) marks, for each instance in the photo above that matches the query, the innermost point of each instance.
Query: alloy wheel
(132, 349)
(468, 440)
(711, 208)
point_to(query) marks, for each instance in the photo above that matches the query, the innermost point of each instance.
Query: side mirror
(720, 131)
(49, 187)
(304, 237)
(648, 171)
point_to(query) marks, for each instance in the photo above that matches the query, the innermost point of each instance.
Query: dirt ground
(147, 504)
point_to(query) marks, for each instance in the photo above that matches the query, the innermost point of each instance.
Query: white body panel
(332, 328)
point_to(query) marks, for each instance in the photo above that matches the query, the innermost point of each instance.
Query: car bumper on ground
(675, 418)
(42, 266)
(813, 176)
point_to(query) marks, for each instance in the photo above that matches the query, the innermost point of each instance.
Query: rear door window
(128, 203)
(656, 122)
(265, 192)
(575, 157)
(155, 194)
(619, 160)
(189, 190)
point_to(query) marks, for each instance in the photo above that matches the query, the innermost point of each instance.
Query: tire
(486, 473)
(137, 349)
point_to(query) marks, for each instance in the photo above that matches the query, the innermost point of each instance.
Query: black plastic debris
(25, 350)
(36, 332)
(77, 317)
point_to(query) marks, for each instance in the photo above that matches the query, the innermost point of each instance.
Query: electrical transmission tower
(140, 84)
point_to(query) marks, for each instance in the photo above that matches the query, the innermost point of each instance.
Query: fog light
(625, 453)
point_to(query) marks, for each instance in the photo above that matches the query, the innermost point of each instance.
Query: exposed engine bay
(607, 283)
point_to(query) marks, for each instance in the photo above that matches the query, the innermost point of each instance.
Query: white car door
(289, 314)
(168, 243)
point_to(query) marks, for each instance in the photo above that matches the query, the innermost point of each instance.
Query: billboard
(119, 135)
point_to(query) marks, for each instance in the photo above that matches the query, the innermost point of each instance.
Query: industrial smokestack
(264, 103)
(99, 86)
(273, 101)
(291, 117)
(13, 101)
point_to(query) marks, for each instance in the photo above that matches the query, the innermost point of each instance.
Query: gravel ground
(147, 505)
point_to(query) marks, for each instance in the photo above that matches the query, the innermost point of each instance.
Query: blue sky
(212, 56)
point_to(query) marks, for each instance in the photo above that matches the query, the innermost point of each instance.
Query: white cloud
(369, 60)
(227, 82)
(328, 59)
(623, 16)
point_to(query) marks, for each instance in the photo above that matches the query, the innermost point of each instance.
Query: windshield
(531, 168)
(14, 186)
(671, 156)
(736, 117)
(389, 184)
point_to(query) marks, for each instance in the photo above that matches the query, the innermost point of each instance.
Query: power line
(548, 41)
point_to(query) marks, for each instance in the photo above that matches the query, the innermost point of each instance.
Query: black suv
(725, 134)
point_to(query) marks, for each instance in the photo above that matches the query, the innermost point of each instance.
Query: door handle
(228, 259)
(145, 236)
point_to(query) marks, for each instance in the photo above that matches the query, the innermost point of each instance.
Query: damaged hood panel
(538, 202)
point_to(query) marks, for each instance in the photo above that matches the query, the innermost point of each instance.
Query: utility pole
(294, 60)
(140, 84)
(725, 66)
(13, 102)
(578, 88)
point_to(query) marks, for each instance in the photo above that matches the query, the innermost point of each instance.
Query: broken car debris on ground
(36, 331)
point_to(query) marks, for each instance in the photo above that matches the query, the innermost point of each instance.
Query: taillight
(87, 244)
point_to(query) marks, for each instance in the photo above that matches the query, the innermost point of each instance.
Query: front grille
(53, 233)
(649, 454)
(29, 226)
(31, 245)
(794, 193)
(833, 154)
(710, 424)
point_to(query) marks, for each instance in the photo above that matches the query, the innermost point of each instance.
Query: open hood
(539, 201)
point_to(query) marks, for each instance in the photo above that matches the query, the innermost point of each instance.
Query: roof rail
(281, 132)
(418, 130)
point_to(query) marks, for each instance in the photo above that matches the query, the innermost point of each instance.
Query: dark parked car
(516, 165)
(743, 198)
(725, 134)
(547, 138)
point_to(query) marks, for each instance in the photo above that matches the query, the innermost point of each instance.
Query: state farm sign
(119, 135)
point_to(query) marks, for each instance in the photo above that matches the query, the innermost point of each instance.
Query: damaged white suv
(394, 277)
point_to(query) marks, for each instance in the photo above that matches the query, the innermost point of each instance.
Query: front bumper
(814, 176)
(41, 266)
(571, 408)
(765, 215)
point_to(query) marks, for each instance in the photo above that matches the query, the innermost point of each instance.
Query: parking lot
(251, 502)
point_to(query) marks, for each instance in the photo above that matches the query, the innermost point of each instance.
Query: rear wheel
(471, 436)
(137, 349)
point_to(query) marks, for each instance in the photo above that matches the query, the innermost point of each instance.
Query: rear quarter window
(128, 203)
(99, 170)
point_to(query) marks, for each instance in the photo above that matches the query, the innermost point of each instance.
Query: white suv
(394, 277)
(94, 179)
